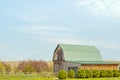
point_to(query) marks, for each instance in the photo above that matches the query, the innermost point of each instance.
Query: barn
(69, 57)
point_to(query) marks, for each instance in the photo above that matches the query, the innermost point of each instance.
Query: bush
(115, 73)
(102, 73)
(81, 73)
(71, 74)
(62, 74)
(96, 73)
(89, 73)
(109, 73)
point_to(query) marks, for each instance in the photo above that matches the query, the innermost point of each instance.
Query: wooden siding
(99, 66)
(58, 60)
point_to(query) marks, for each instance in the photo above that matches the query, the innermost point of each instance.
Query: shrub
(71, 74)
(96, 73)
(62, 74)
(89, 73)
(102, 73)
(81, 73)
(115, 73)
(109, 73)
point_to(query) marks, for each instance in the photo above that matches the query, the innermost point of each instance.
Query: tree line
(30, 66)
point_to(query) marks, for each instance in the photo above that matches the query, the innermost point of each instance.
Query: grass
(115, 78)
(39, 77)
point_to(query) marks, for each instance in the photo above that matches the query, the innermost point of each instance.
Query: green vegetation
(116, 78)
(71, 74)
(81, 73)
(96, 73)
(62, 74)
(89, 73)
(39, 77)
(42, 70)
(23, 77)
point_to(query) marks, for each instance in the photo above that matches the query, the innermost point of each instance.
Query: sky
(31, 29)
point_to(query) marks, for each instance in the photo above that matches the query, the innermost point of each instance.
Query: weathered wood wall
(100, 66)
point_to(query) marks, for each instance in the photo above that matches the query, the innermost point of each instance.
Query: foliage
(103, 73)
(81, 73)
(89, 73)
(71, 74)
(109, 73)
(115, 73)
(96, 73)
(62, 74)
(23, 77)
(2, 68)
(45, 74)
(33, 66)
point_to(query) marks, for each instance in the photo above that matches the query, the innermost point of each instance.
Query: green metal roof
(80, 53)
(96, 62)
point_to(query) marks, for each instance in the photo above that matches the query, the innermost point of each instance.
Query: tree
(33, 66)
(2, 68)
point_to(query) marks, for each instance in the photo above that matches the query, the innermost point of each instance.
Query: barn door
(73, 68)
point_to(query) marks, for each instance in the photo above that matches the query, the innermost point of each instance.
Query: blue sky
(31, 29)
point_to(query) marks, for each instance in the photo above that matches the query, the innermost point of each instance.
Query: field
(38, 77)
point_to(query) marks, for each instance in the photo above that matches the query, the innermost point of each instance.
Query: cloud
(64, 40)
(46, 31)
(2, 46)
(45, 28)
(104, 7)
(99, 44)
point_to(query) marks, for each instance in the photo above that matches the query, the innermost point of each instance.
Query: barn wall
(100, 66)
(70, 64)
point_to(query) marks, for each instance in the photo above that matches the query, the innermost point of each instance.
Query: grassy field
(97, 79)
(38, 77)
(23, 77)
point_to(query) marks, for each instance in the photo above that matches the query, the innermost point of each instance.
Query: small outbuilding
(73, 57)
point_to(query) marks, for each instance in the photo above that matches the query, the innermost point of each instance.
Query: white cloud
(104, 7)
(64, 40)
(47, 31)
(99, 44)
(2, 46)
(45, 28)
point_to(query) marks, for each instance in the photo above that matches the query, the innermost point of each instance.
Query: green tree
(2, 68)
